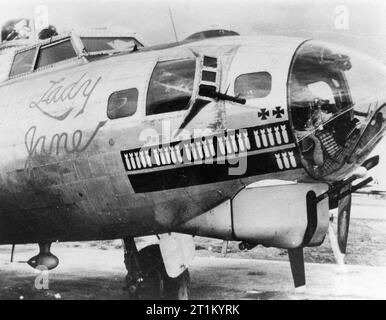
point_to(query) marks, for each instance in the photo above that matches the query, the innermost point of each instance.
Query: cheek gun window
(122, 104)
(253, 85)
(171, 86)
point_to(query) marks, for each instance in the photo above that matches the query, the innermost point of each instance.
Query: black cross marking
(263, 114)
(278, 112)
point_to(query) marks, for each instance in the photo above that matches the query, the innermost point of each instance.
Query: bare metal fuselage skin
(63, 166)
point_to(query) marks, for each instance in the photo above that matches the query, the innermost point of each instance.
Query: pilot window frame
(250, 74)
(53, 44)
(50, 42)
(149, 81)
(130, 114)
(21, 51)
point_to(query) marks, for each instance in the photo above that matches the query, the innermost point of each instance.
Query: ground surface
(95, 270)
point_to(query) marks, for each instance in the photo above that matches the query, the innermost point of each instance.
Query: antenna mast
(172, 20)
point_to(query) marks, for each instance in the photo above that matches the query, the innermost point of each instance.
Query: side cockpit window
(122, 104)
(253, 85)
(171, 86)
(41, 55)
(53, 53)
(23, 62)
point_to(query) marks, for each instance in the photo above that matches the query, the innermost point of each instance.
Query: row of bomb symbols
(271, 136)
(285, 160)
(227, 145)
(212, 147)
(205, 148)
(169, 155)
(147, 158)
(186, 152)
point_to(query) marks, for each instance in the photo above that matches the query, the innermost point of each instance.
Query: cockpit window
(97, 44)
(23, 62)
(122, 103)
(333, 93)
(55, 52)
(253, 85)
(171, 86)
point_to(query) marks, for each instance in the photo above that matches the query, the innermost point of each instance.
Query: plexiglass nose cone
(337, 100)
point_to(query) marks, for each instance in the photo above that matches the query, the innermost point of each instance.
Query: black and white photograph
(211, 150)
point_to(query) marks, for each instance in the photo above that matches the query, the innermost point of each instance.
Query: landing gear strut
(146, 275)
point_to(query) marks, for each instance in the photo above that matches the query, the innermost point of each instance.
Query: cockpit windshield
(99, 44)
(333, 94)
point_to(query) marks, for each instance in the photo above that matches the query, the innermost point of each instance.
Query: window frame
(10, 76)
(132, 38)
(148, 81)
(128, 116)
(250, 73)
(49, 42)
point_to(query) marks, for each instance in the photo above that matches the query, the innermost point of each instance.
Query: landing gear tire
(156, 284)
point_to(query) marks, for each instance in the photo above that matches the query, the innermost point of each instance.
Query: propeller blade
(296, 259)
(344, 210)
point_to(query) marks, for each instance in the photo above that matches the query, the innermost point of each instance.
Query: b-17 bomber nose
(337, 106)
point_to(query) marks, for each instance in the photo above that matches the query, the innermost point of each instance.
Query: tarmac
(92, 271)
(99, 274)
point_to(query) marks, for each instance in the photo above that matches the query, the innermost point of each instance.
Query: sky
(360, 24)
(151, 18)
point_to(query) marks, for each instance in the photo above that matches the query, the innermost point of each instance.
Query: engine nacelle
(281, 215)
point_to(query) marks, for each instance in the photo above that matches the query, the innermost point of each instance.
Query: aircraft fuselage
(69, 172)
